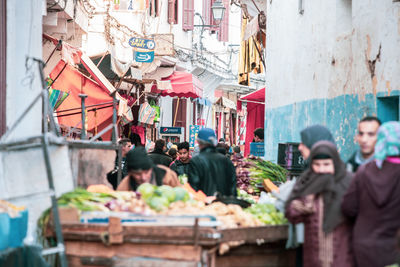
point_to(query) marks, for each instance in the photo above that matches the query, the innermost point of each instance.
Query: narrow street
(213, 133)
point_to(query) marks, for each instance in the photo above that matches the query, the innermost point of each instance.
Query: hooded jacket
(373, 201)
(212, 172)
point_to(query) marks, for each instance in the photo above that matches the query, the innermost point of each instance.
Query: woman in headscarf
(373, 201)
(315, 201)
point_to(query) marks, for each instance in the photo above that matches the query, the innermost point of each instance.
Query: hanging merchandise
(146, 113)
(56, 97)
(157, 109)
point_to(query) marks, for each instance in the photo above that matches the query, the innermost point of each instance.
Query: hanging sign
(144, 56)
(142, 43)
(170, 130)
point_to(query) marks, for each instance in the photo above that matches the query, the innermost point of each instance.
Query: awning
(183, 84)
(226, 102)
(255, 97)
(69, 79)
(255, 115)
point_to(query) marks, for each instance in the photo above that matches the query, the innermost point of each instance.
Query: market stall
(162, 226)
(255, 115)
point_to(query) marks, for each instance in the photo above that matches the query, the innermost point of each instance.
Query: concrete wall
(328, 66)
(24, 39)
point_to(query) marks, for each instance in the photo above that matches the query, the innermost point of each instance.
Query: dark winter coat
(373, 201)
(212, 172)
(179, 167)
(159, 157)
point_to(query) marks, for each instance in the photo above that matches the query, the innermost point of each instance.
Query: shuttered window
(172, 11)
(207, 12)
(223, 34)
(187, 15)
(152, 5)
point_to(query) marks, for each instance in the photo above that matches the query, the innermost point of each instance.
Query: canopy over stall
(66, 77)
(255, 115)
(181, 84)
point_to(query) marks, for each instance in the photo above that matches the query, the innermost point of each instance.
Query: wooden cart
(116, 244)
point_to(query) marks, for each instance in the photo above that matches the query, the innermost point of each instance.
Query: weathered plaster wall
(328, 66)
(24, 39)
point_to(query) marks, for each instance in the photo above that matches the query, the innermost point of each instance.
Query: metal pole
(119, 175)
(83, 132)
(60, 239)
(114, 119)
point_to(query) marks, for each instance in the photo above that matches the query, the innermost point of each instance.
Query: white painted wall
(24, 39)
(23, 172)
(324, 52)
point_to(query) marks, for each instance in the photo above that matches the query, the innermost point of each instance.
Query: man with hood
(312, 135)
(211, 171)
(373, 201)
(141, 169)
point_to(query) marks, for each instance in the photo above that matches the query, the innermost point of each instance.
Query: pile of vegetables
(241, 194)
(267, 214)
(252, 171)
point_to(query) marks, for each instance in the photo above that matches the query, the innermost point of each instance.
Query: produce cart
(121, 244)
(121, 229)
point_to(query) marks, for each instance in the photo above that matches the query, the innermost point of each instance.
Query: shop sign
(144, 56)
(170, 130)
(142, 43)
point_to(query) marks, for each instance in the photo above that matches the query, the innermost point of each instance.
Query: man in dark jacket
(211, 171)
(158, 156)
(366, 138)
(126, 146)
(181, 164)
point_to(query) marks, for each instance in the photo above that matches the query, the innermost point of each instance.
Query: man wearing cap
(142, 170)
(210, 171)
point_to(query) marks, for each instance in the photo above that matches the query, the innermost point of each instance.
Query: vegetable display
(252, 171)
(267, 214)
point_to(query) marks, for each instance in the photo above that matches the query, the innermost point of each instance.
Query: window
(187, 15)
(223, 33)
(388, 108)
(3, 65)
(223, 26)
(153, 8)
(172, 11)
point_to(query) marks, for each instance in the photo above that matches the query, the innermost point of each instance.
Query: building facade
(330, 63)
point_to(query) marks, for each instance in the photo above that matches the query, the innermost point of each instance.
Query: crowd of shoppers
(350, 211)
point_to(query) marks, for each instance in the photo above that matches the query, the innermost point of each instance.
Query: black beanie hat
(137, 159)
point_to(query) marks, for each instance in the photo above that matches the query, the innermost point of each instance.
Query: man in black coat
(211, 171)
(158, 156)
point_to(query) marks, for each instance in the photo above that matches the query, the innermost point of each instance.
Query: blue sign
(193, 132)
(142, 43)
(144, 56)
(170, 130)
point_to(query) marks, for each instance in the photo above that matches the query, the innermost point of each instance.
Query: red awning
(255, 115)
(258, 96)
(69, 79)
(181, 84)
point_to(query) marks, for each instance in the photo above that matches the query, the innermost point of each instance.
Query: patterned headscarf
(388, 143)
